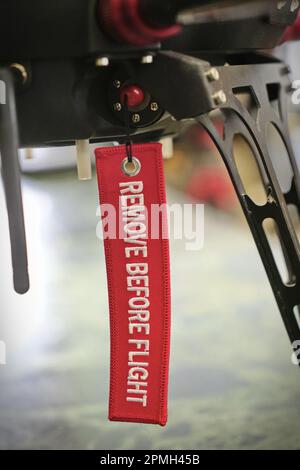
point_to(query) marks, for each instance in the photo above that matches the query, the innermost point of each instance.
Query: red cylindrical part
(135, 96)
(123, 20)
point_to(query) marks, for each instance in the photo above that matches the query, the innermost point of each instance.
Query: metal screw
(136, 118)
(147, 59)
(117, 106)
(154, 106)
(294, 5)
(21, 71)
(117, 84)
(220, 98)
(102, 62)
(286, 70)
(213, 74)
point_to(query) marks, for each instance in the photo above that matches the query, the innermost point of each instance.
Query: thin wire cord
(128, 143)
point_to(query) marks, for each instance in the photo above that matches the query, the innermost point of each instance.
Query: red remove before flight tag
(134, 218)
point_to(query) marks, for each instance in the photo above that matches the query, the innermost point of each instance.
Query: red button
(135, 96)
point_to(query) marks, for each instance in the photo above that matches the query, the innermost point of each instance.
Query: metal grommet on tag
(131, 168)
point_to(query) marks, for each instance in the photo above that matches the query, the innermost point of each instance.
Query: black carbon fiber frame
(253, 127)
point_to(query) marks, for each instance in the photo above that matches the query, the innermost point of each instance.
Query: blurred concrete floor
(233, 385)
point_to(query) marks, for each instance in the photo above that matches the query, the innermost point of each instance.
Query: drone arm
(9, 141)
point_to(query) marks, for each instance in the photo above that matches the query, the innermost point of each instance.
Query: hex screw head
(213, 74)
(102, 62)
(21, 70)
(220, 98)
(117, 84)
(154, 106)
(136, 118)
(117, 107)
